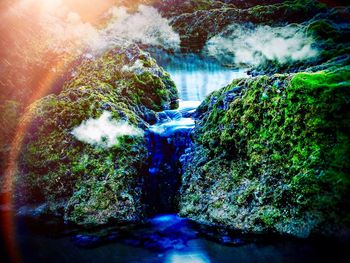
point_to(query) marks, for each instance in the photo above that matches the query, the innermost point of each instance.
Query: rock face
(271, 154)
(198, 22)
(84, 183)
(197, 26)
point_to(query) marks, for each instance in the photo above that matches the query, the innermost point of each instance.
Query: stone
(84, 183)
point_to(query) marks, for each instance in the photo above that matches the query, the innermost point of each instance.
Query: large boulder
(92, 180)
(272, 154)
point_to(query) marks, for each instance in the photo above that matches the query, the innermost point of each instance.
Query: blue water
(167, 141)
(172, 120)
(196, 77)
(170, 239)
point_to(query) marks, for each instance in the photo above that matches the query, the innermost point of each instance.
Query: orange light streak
(8, 223)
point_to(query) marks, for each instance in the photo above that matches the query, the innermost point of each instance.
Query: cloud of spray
(104, 131)
(146, 26)
(258, 45)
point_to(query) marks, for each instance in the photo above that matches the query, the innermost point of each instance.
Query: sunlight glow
(178, 257)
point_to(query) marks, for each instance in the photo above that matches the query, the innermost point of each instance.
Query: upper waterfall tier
(196, 77)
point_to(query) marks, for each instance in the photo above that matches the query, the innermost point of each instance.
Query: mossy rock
(197, 27)
(326, 26)
(272, 154)
(91, 184)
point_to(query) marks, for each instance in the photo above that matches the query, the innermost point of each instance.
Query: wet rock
(231, 96)
(85, 182)
(231, 241)
(196, 28)
(244, 171)
(33, 211)
(86, 241)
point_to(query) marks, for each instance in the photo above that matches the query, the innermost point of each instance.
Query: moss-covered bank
(83, 183)
(206, 21)
(326, 25)
(272, 154)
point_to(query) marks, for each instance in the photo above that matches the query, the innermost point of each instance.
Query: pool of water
(169, 239)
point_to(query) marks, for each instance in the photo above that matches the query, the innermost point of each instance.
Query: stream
(195, 78)
(165, 237)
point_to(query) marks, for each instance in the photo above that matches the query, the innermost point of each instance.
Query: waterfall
(167, 141)
(195, 78)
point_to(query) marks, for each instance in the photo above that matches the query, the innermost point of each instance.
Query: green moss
(197, 26)
(83, 183)
(286, 139)
(270, 216)
(286, 9)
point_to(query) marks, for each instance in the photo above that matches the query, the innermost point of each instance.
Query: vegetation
(196, 28)
(272, 154)
(84, 183)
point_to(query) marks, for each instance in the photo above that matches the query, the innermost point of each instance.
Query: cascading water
(168, 140)
(195, 78)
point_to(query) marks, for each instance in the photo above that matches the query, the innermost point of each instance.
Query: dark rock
(231, 96)
(231, 241)
(34, 211)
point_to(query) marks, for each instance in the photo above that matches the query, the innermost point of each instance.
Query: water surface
(169, 239)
